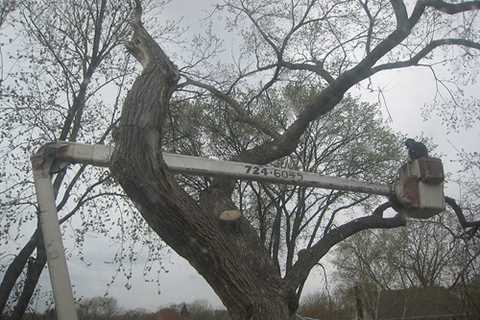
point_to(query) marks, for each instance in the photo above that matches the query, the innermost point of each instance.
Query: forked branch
(307, 259)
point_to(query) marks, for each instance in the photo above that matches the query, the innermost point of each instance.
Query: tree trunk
(15, 269)
(34, 270)
(358, 302)
(228, 255)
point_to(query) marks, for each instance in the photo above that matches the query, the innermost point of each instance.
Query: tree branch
(400, 14)
(452, 8)
(317, 68)
(308, 258)
(15, 269)
(327, 99)
(424, 52)
(333, 94)
(243, 116)
(461, 217)
(146, 50)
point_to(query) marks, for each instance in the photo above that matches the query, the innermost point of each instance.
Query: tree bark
(228, 255)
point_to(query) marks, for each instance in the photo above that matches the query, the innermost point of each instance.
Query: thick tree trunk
(228, 255)
(230, 259)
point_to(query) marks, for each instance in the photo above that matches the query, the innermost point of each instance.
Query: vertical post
(52, 237)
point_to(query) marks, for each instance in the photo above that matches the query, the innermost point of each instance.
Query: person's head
(409, 142)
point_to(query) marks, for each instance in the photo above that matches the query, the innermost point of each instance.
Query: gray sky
(406, 92)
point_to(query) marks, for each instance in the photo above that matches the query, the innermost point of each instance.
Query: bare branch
(371, 23)
(308, 258)
(400, 14)
(331, 95)
(452, 8)
(265, 36)
(317, 68)
(425, 51)
(461, 217)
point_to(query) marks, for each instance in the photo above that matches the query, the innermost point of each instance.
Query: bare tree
(341, 43)
(424, 255)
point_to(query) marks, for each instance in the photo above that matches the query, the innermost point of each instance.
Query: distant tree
(97, 308)
(133, 315)
(323, 306)
(427, 254)
(345, 143)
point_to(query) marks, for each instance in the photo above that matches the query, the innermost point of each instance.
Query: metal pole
(52, 237)
(202, 166)
(100, 155)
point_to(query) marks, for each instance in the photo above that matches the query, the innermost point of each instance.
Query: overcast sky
(406, 92)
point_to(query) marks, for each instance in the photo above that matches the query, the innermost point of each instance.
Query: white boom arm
(99, 155)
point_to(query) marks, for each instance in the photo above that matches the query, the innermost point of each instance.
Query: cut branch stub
(230, 215)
